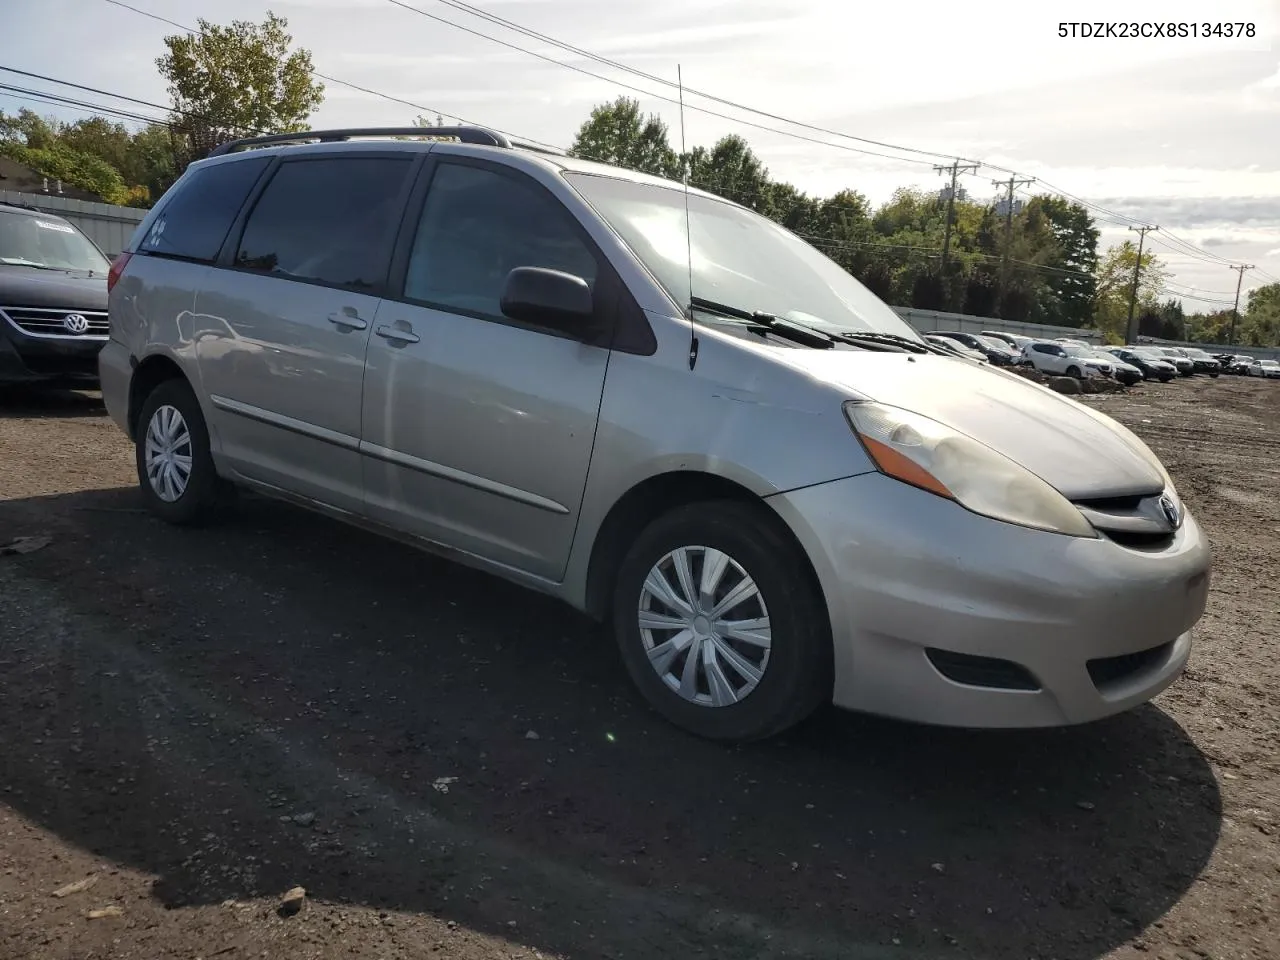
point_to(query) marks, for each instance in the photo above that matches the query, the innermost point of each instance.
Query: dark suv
(53, 299)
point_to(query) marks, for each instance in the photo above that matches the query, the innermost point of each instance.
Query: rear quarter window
(192, 223)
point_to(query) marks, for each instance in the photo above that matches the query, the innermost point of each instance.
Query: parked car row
(1241, 364)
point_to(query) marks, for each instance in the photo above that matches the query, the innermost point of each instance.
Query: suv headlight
(930, 455)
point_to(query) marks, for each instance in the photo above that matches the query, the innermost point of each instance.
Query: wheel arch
(150, 372)
(651, 498)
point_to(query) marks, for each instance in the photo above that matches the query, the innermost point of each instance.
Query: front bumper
(1100, 628)
(33, 359)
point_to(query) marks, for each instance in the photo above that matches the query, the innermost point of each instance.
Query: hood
(31, 287)
(1083, 454)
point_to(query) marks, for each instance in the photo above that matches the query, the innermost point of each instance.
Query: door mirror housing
(549, 298)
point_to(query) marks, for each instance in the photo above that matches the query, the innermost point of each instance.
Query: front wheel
(175, 469)
(1073, 372)
(720, 625)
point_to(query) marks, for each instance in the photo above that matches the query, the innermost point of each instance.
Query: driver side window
(478, 225)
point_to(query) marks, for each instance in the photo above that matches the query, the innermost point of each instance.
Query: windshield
(36, 241)
(737, 257)
(992, 343)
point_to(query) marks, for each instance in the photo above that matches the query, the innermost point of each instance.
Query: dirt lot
(196, 722)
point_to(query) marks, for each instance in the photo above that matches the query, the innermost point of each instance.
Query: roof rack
(20, 206)
(476, 135)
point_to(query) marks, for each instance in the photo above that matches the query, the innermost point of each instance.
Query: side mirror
(548, 298)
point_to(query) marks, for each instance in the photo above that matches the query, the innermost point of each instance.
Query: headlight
(930, 455)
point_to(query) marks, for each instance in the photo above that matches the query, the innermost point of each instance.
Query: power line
(42, 96)
(617, 65)
(339, 82)
(658, 96)
(955, 170)
(1137, 267)
(1235, 310)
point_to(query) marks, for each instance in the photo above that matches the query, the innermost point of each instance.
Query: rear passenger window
(329, 221)
(193, 223)
(476, 227)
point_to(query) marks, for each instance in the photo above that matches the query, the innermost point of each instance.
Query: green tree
(617, 133)
(1115, 285)
(731, 170)
(1209, 327)
(241, 79)
(1260, 326)
(1072, 255)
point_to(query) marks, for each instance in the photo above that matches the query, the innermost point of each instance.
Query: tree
(1074, 258)
(36, 143)
(731, 170)
(1168, 321)
(240, 80)
(1261, 324)
(1115, 284)
(616, 133)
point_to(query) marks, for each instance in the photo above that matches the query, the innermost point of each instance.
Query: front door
(282, 327)
(478, 430)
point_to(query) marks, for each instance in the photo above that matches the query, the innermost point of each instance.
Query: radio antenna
(688, 220)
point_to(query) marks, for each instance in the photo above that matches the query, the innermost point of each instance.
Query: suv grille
(50, 322)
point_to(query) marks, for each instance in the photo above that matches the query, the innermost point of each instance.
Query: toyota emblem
(1170, 511)
(76, 323)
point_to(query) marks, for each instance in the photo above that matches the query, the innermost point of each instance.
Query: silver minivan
(658, 406)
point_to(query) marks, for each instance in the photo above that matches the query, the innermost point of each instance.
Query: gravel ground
(195, 722)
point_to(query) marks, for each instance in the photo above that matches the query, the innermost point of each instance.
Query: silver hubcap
(705, 626)
(167, 453)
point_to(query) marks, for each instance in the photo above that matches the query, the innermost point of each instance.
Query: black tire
(206, 494)
(797, 678)
(1073, 372)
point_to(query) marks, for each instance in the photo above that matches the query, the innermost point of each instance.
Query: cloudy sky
(1181, 133)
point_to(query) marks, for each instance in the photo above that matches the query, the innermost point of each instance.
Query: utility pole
(1133, 294)
(955, 170)
(1235, 313)
(1011, 184)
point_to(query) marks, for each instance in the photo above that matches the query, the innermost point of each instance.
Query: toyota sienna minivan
(659, 407)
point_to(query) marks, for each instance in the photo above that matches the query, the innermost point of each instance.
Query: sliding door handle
(396, 334)
(344, 319)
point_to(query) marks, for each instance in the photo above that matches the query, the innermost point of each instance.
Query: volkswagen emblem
(1170, 511)
(76, 323)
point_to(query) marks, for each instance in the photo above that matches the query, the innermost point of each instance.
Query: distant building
(20, 178)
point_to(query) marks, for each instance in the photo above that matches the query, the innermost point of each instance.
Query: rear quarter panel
(152, 311)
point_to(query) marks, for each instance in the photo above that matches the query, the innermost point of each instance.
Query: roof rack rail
(476, 135)
(538, 148)
(20, 206)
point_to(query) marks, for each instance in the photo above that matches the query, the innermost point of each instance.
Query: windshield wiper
(798, 332)
(803, 333)
(914, 346)
(12, 262)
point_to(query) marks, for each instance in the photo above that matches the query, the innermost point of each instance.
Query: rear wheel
(175, 469)
(720, 625)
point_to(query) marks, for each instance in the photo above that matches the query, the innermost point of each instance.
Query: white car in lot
(1265, 368)
(1065, 360)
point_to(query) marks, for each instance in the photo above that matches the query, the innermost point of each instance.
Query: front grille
(1138, 522)
(1109, 671)
(989, 672)
(52, 322)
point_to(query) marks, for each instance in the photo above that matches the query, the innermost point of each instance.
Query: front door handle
(397, 334)
(347, 317)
